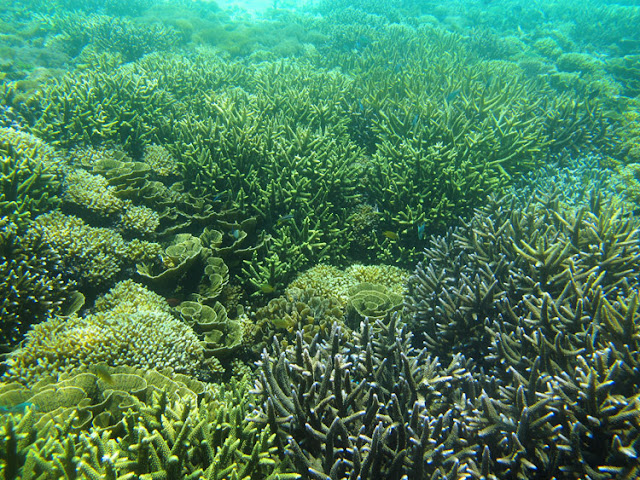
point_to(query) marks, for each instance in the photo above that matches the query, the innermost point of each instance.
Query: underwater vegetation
(340, 240)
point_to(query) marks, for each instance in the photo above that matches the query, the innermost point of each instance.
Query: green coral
(221, 335)
(125, 422)
(131, 326)
(32, 285)
(92, 193)
(91, 256)
(297, 310)
(372, 301)
(30, 175)
(331, 281)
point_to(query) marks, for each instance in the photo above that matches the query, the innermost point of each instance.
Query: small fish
(219, 196)
(284, 218)
(19, 408)
(235, 233)
(267, 288)
(391, 235)
(421, 230)
(102, 372)
(173, 301)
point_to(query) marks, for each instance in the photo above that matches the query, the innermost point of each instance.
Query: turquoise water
(322, 239)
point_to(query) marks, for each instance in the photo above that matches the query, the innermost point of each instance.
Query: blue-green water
(319, 240)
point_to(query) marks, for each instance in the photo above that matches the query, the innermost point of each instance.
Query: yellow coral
(92, 192)
(92, 255)
(24, 145)
(329, 281)
(139, 219)
(160, 160)
(138, 331)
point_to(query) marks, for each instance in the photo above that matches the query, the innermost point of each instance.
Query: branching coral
(123, 422)
(30, 175)
(91, 256)
(136, 329)
(543, 296)
(372, 409)
(32, 284)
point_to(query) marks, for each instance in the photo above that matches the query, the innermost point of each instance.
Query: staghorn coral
(30, 175)
(542, 297)
(373, 408)
(508, 254)
(135, 330)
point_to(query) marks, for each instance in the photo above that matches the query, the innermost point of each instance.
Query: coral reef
(372, 301)
(297, 310)
(542, 297)
(130, 326)
(330, 281)
(373, 408)
(248, 167)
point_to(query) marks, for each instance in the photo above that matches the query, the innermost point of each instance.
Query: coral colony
(332, 240)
